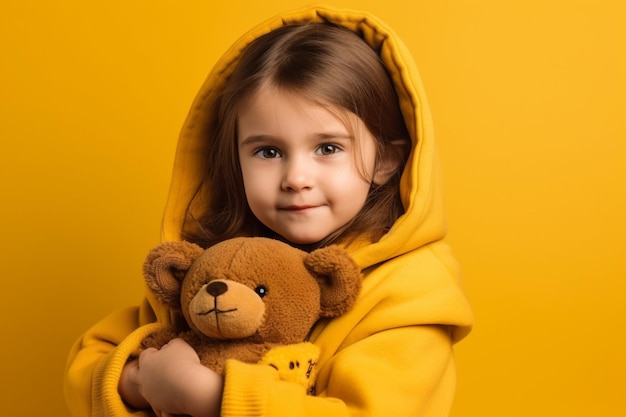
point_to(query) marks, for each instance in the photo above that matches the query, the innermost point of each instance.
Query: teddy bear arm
(158, 338)
(215, 355)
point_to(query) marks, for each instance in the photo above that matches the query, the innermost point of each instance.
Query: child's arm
(397, 372)
(97, 359)
(172, 380)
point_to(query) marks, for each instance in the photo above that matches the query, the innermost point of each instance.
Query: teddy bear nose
(216, 288)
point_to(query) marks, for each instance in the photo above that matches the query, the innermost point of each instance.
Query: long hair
(333, 67)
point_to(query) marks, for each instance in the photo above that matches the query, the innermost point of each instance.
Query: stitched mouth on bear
(216, 311)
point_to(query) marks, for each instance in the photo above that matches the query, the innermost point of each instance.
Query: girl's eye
(328, 149)
(267, 153)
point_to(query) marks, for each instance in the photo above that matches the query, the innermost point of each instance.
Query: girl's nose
(297, 176)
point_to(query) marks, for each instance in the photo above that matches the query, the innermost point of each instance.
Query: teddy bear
(254, 299)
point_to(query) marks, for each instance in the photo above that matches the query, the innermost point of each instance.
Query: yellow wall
(528, 100)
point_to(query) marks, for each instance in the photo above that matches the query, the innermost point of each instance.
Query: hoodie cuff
(106, 399)
(247, 389)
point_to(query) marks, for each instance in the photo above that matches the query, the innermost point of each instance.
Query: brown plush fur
(243, 296)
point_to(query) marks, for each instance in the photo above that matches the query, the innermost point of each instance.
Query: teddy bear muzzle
(226, 309)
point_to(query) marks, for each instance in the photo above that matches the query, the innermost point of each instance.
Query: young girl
(313, 129)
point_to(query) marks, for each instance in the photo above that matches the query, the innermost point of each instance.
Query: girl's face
(305, 175)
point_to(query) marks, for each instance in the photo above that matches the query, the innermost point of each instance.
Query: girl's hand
(173, 381)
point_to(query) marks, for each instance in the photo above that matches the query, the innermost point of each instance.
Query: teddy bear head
(253, 288)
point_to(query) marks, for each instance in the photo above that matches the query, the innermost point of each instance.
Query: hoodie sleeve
(398, 372)
(96, 360)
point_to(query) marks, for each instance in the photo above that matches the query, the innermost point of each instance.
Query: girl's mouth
(297, 208)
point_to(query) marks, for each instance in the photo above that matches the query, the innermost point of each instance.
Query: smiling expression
(305, 173)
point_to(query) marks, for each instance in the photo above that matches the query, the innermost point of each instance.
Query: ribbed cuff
(106, 399)
(246, 389)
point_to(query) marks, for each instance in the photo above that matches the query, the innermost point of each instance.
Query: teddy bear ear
(165, 267)
(338, 276)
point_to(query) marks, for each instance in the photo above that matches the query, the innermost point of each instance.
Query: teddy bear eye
(261, 290)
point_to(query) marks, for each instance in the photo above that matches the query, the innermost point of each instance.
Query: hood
(423, 221)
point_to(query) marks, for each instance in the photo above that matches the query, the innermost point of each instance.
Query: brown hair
(334, 67)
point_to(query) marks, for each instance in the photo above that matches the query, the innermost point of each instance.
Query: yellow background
(528, 99)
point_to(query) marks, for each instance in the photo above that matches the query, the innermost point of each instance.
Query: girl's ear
(165, 268)
(389, 162)
(338, 276)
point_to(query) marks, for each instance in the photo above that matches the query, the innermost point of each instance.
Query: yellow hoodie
(392, 354)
